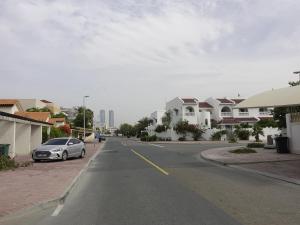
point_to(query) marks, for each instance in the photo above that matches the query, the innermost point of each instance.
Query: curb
(270, 175)
(60, 200)
(63, 197)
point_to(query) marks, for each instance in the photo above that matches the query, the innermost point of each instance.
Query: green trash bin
(4, 149)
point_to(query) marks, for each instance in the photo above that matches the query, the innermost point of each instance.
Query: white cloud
(134, 56)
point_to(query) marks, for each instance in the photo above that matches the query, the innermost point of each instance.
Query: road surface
(132, 183)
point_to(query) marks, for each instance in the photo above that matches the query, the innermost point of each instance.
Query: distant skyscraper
(111, 118)
(102, 118)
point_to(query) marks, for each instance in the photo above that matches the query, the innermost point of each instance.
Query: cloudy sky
(133, 56)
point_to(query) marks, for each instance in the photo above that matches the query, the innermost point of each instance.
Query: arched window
(226, 109)
(189, 111)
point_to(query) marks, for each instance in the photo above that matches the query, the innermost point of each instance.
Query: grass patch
(255, 145)
(6, 163)
(243, 151)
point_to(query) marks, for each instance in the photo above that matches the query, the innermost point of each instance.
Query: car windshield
(56, 142)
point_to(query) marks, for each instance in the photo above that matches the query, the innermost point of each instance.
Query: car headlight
(57, 150)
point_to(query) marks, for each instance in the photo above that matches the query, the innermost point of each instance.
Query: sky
(133, 56)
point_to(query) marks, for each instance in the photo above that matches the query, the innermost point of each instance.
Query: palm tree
(257, 130)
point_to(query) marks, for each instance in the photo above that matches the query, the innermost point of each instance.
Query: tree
(166, 119)
(45, 109)
(256, 131)
(141, 125)
(89, 116)
(241, 132)
(127, 130)
(183, 127)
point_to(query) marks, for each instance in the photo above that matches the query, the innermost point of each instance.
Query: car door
(78, 147)
(72, 147)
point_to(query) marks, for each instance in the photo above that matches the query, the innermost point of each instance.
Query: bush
(217, 135)
(243, 134)
(181, 139)
(160, 128)
(232, 138)
(6, 163)
(243, 151)
(149, 138)
(255, 145)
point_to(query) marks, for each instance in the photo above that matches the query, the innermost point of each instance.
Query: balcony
(243, 113)
(265, 113)
(224, 114)
(190, 113)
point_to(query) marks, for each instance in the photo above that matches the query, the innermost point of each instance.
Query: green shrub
(217, 135)
(149, 138)
(255, 145)
(6, 163)
(232, 138)
(243, 151)
(181, 139)
(160, 128)
(243, 134)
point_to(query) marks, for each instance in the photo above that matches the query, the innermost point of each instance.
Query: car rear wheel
(82, 153)
(64, 156)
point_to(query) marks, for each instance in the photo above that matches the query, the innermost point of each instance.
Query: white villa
(188, 109)
(227, 113)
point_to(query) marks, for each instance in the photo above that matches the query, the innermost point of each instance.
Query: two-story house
(227, 113)
(188, 109)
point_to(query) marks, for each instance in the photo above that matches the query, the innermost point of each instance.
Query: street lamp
(84, 97)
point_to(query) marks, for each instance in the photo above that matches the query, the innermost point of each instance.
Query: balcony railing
(226, 113)
(265, 113)
(190, 113)
(295, 117)
(243, 113)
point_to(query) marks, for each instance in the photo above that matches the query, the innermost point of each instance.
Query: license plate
(42, 155)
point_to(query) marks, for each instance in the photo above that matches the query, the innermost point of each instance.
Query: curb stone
(236, 166)
(53, 202)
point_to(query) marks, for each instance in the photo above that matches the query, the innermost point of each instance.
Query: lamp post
(84, 97)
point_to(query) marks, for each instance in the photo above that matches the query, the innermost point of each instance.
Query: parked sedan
(59, 148)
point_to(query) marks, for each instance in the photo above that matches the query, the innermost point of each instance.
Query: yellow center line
(151, 163)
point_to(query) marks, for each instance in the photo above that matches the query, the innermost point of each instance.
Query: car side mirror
(70, 143)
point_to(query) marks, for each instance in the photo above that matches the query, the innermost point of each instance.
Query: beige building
(10, 105)
(36, 103)
(23, 134)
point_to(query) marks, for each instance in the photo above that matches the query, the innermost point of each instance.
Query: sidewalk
(29, 186)
(265, 162)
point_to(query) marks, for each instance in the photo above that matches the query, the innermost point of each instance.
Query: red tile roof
(45, 101)
(189, 100)
(57, 120)
(237, 100)
(204, 105)
(225, 101)
(232, 120)
(8, 102)
(40, 116)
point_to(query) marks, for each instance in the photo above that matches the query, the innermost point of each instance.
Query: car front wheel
(64, 156)
(82, 153)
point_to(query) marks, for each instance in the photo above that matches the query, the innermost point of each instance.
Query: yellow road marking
(151, 163)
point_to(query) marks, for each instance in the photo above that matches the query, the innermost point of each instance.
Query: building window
(206, 122)
(176, 112)
(189, 111)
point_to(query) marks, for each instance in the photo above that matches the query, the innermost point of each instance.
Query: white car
(59, 148)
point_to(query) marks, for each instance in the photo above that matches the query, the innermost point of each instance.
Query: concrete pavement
(120, 187)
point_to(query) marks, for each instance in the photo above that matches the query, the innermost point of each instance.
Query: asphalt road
(131, 183)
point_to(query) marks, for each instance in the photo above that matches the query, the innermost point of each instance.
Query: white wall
(202, 116)
(7, 135)
(23, 136)
(176, 103)
(36, 136)
(293, 133)
(157, 116)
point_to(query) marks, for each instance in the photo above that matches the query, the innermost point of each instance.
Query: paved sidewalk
(41, 182)
(223, 156)
(266, 162)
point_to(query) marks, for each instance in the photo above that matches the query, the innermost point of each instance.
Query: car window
(60, 141)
